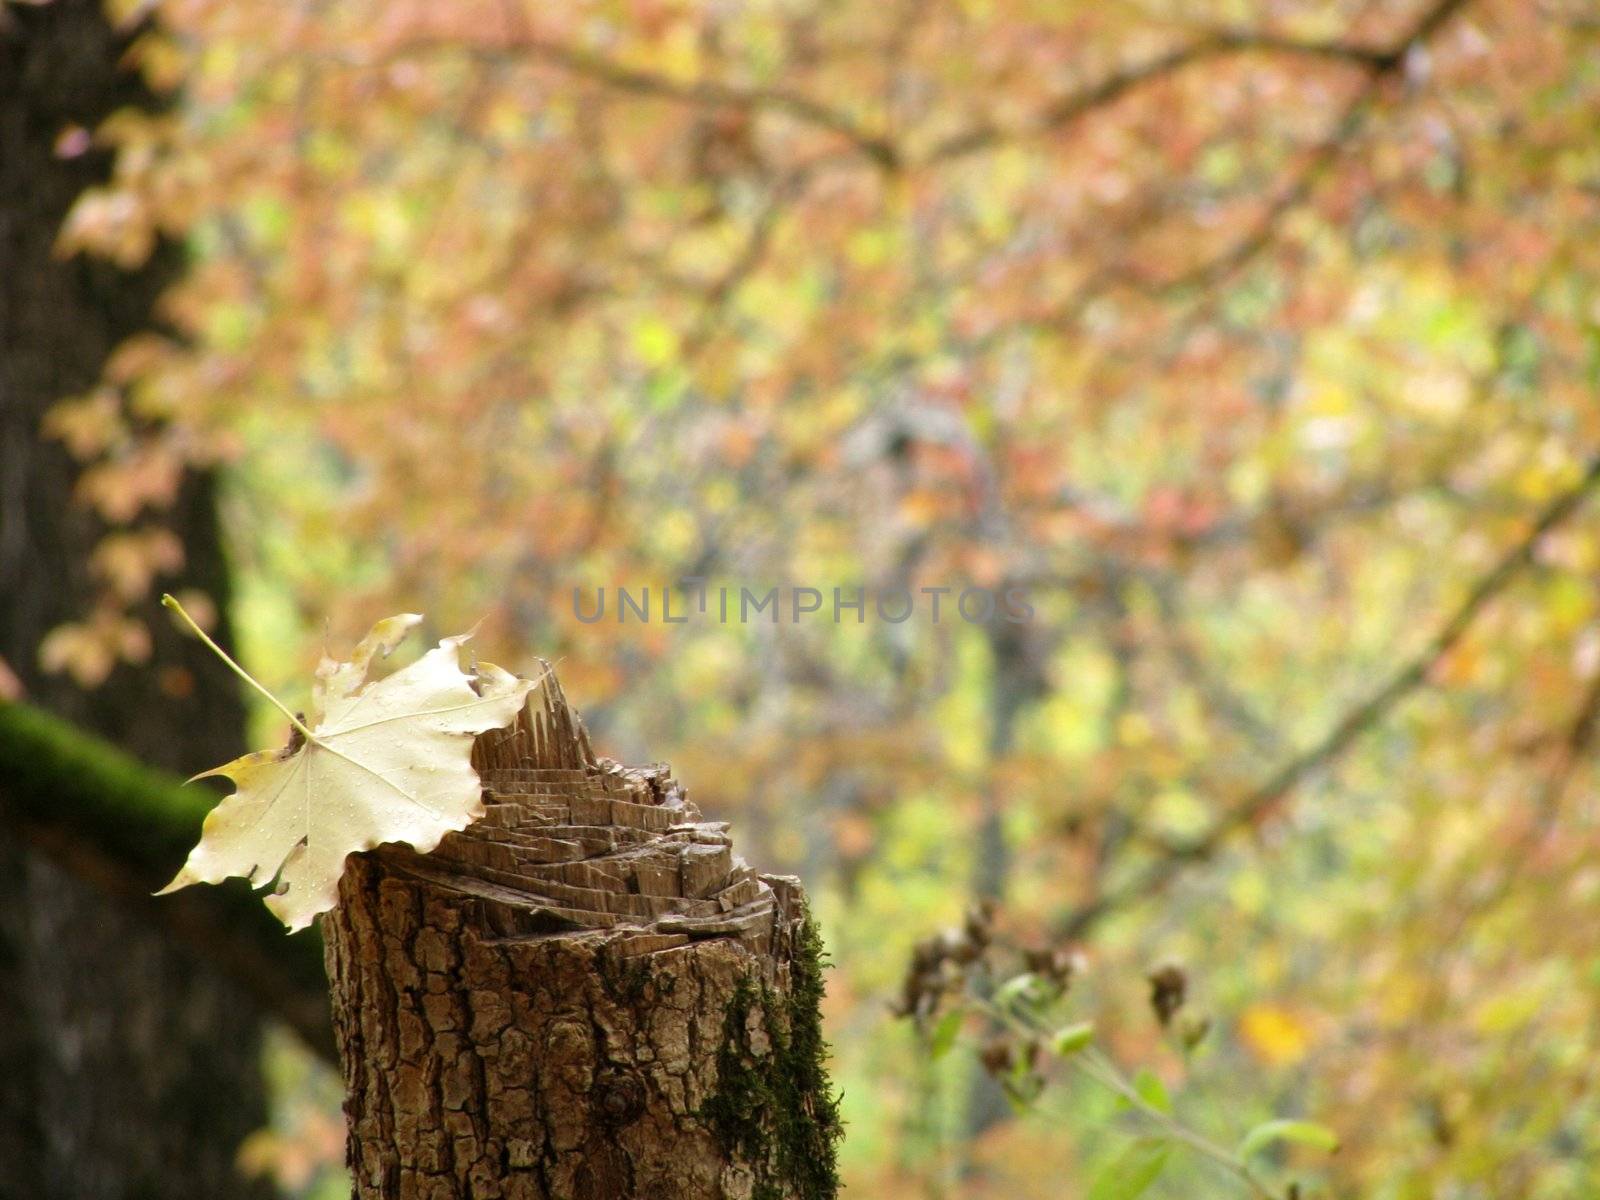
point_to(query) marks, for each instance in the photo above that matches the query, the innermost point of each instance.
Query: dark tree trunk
(126, 1069)
(584, 996)
(1016, 680)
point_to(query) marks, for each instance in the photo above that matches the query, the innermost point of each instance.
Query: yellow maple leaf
(388, 761)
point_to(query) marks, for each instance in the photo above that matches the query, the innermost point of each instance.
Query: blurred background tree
(1258, 341)
(130, 1067)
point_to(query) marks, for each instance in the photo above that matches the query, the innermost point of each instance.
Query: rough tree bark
(115, 1047)
(584, 996)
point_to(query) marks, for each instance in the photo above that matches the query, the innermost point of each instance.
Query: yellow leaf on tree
(1275, 1035)
(388, 761)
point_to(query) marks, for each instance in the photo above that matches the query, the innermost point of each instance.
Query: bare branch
(524, 45)
(1376, 61)
(1347, 731)
(705, 93)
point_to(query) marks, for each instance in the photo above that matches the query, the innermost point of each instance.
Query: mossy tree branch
(125, 827)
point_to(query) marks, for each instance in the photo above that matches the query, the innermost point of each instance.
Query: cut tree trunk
(584, 996)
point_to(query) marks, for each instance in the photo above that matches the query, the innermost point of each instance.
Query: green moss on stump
(777, 1110)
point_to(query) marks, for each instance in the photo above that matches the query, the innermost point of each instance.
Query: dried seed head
(1168, 987)
(1057, 964)
(1192, 1029)
(996, 1057)
(1029, 1054)
(979, 923)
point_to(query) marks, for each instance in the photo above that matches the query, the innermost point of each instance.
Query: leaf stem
(168, 601)
(1094, 1065)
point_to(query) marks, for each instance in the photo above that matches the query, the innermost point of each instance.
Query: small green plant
(950, 988)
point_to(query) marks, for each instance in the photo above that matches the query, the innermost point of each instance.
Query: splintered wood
(570, 841)
(548, 1005)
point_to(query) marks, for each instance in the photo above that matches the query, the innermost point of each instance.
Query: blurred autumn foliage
(1257, 340)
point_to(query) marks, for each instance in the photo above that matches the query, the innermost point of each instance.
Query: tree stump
(584, 996)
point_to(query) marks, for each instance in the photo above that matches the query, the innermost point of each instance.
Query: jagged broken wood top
(575, 844)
